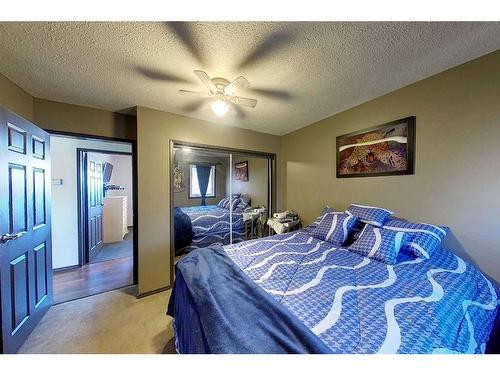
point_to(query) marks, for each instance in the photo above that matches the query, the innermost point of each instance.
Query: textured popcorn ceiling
(299, 72)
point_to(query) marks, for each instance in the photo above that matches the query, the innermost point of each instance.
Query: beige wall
(15, 98)
(77, 119)
(52, 115)
(457, 170)
(256, 186)
(154, 130)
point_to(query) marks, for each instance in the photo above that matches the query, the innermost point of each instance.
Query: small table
(252, 220)
(280, 227)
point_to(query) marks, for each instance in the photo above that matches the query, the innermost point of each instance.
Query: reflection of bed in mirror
(201, 226)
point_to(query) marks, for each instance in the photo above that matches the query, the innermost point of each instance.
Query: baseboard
(65, 268)
(151, 292)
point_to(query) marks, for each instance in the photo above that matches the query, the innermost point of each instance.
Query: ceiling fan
(222, 91)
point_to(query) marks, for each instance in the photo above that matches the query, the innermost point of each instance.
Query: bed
(209, 225)
(293, 293)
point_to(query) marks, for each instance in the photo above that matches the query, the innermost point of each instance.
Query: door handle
(10, 237)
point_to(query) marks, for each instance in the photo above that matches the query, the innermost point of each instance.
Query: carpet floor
(112, 322)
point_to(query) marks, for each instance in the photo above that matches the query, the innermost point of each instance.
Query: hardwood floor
(92, 279)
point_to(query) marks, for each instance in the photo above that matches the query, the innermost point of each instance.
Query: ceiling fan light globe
(219, 107)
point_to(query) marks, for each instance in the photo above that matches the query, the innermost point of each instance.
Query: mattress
(358, 305)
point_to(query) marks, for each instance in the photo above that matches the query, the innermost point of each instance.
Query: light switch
(57, 181)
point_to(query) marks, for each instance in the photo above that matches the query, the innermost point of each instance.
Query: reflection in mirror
(218, 198)
(250, 185)
(199, 185)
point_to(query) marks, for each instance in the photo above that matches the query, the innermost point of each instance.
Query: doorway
(94, 201)
(39, 181)
(106, 204)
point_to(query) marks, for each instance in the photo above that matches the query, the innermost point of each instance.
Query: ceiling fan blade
(196, 93)
(274, 94)
(238, 112)
(206, 80)
(238, 82)
(246, 102)
(184, 31)
(160, 75)
(195, 106)
(271, 44)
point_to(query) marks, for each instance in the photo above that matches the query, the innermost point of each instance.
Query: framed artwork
(241, 171)
(179, 186)
(384, 150)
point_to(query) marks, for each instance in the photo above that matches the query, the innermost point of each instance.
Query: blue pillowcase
(223, 202)
(334, 227)
(243, 203)
(231, 201)
(316, 222)
(369, 215)
(380, 244)
(234, 203)
(424, 238)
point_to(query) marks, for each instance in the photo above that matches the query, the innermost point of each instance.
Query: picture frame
(179, 185)
(241, 171)
(385, 150)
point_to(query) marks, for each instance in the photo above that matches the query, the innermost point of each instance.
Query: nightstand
(279, 226)
(254, 220)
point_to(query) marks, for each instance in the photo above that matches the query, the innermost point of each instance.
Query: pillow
(334, 227)
(244, 202)
(424, 238)
(326, 210)
(223, 202)
(379, 243)
(369, 215)
(232, 202)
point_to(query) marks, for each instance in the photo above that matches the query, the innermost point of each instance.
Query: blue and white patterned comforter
(211, 225)
(358, 305)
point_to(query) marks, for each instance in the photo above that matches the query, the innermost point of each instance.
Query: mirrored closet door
(218, 196)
